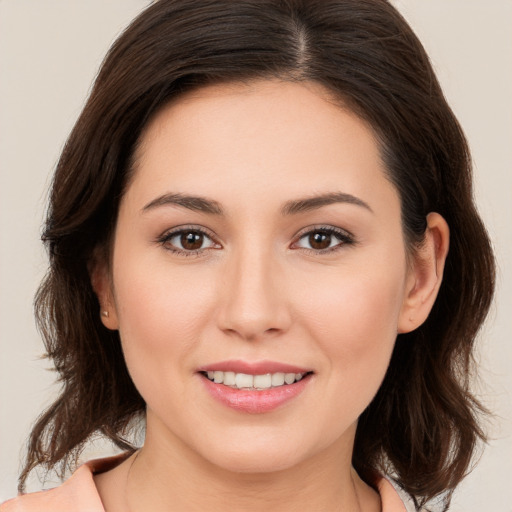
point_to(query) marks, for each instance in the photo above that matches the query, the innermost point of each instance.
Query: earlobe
(102, 286)
(425, 274)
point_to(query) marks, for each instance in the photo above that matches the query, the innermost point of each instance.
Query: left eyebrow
(196, 203)
(314, 202)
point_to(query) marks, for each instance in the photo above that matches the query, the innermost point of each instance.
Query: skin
(256, 290)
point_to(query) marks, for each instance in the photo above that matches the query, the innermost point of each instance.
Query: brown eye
(324, 239)
(187, 241)
(191, 240)
(319, 240)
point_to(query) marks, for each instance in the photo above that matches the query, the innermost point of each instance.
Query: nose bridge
(254, 302)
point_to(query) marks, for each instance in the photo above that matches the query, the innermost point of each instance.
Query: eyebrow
(314, 202)
(205, 205)
(196, 203)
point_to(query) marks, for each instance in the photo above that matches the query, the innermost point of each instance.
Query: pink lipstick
(254, 387)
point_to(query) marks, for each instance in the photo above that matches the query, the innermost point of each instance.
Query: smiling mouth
(254, 382)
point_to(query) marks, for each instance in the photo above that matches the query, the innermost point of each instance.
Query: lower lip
(255, 402)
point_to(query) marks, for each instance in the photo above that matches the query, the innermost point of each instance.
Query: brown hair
(422, 425)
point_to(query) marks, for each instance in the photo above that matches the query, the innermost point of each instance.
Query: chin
(249, 464)
(258, 458)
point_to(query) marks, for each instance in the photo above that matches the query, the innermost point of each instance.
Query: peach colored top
(79, 493)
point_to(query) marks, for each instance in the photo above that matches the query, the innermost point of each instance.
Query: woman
(249, 231)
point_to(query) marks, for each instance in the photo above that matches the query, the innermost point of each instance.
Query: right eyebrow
(195, 203)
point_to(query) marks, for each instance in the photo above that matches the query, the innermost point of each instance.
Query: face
(258, 237)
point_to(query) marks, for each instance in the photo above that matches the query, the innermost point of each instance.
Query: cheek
(355, 325)
(160, 310)
(152, 293)
(358, 307)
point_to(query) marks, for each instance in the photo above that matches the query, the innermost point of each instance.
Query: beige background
(49, 53)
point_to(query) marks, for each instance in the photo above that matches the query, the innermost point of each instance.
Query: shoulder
(77, 494)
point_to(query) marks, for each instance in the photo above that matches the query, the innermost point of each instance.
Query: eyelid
(344, 236)
(172, 232)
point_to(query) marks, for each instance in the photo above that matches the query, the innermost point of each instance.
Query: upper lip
(253, 368)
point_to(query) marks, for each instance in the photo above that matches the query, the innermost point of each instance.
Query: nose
(254, 304)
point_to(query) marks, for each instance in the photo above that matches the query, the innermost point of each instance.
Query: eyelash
(169, 235)
(344, 238)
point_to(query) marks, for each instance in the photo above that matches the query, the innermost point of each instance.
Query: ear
(425, 274)
(102, 285)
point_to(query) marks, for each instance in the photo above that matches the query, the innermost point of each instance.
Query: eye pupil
(319, 240)
(191, 240)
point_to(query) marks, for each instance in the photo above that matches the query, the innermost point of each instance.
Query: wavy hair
(422, 426)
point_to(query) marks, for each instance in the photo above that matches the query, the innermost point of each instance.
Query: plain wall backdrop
(50, 51)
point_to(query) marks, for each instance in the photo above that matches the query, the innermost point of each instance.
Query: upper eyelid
(323, 227)
(165, 238)
(170, 233)
(345, 238)
(188, 227)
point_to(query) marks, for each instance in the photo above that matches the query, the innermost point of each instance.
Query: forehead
(230, 138)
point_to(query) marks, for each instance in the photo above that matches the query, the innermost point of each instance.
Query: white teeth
(277, 379)
(245, 381)
(262, 381)
(242, 380)
(289, 378)
(229, 378)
